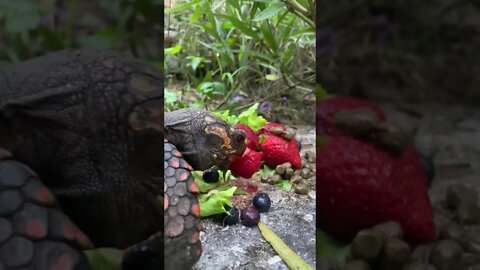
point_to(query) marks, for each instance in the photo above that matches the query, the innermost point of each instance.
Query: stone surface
(291, 217)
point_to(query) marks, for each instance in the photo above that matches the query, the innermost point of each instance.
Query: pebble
(367, 245)
(296, 179)
(274, 260)
(468, 212)
(289, 172)
(280, 169)
(421, 253)
(301, 188)
(305, 173)
(454, 232)
(275, 179)
(356, 265)
(327, 265)
(420, 266)
(308, 218)
(446, 255)
(459, 194)
(395, 254)
(390, 229)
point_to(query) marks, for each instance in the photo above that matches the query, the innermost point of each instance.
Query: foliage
(31, 28)
(232, 49)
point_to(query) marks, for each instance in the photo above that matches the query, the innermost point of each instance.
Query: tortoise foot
(34, 233)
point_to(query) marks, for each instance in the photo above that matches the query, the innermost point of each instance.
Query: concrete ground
(292, 218)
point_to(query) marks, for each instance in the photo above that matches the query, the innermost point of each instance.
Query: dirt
(291, 217)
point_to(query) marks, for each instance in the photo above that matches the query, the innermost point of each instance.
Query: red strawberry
(326, 110)
(248, 164)
(252, 138)
(277, 151)
(265, 129)
(359, 186)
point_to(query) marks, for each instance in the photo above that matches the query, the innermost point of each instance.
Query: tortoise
(81, 134)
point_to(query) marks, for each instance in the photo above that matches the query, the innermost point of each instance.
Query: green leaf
(229, 76)
(246, 28)
(251, 118)
(291, 259)
(196, 61)
(175, 49)
(21, 17)
(170, 97)
(321, 93)
(182, 7)
(97, 41)
(285, 185)
(289, 54)
(104, 259)
(214, 202)
(269, 12)
(331, 249)
(204, 187)
(265, 171)
(197, 14)
(271, 77)
(268, 36)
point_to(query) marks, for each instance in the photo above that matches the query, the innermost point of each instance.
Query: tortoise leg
(34, 233)
(178, 246)
(182, 212)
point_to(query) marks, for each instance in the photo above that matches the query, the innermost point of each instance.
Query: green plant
(30, 28)
(248, 47)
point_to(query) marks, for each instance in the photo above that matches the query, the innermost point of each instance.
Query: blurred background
(30, 28)
(400, 50)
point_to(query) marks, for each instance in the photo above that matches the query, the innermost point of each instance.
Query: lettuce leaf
(214, 202)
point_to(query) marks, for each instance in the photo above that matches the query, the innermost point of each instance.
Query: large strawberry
(359, 186)
(326, 110)
(248, 164)
(278, 150)
(252, 138)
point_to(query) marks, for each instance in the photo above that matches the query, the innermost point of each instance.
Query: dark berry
(211, 175)
(261, 202)
(428, 167)
(231, 219)
(250, 217)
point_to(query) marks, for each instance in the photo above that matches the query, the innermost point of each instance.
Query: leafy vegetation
(32, 28)
(232, 54)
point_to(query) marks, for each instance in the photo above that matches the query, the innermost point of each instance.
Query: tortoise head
(204, 139)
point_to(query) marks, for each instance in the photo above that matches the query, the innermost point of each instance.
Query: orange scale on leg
(183, 175)
(196, 210)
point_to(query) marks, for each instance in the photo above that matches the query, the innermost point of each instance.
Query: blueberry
(428, 167)
(231, 219)
(250, 217)
(261, 202)
(211, 175)
(299, 144)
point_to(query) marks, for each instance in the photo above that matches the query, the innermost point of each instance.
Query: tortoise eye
(240, 137)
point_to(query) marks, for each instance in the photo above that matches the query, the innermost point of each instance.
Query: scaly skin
(90, 124)
(204, 140)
